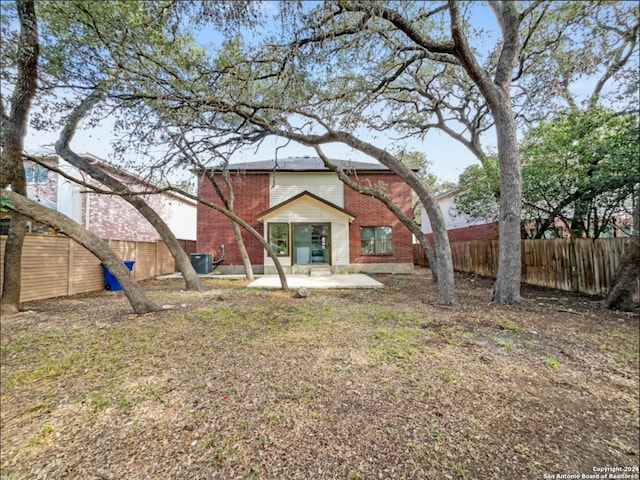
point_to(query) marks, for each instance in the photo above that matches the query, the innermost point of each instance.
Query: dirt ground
(235, 383)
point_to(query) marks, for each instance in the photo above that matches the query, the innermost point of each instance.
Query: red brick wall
(488, 231)
(214, 229)
(370, 212)
(189, 246)
(112, 217)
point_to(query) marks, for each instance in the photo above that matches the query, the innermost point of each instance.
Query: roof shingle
(303, 164)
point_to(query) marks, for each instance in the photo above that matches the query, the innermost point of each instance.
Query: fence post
(135, 258)
(573, 259)
(70, 260)
(156, 267)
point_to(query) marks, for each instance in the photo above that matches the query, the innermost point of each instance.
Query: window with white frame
(279, 238)
(35, 173)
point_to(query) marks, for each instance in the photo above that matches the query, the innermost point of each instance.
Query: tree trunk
(496, 92)
(94, 244)
(431, 257)
(406, 221)
(14, 128)
(444, 262)
(506, 289)
(248, 268)
(246, 261)
(183, 262)
(620, 295)
(12, 275)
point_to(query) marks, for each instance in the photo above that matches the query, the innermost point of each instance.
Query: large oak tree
(14, 129)
(417, 66)
(345, 55)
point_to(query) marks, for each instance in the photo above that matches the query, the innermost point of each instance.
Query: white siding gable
(307, 210)
(285, 185)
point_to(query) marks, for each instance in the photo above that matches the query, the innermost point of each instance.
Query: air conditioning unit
(202, 263)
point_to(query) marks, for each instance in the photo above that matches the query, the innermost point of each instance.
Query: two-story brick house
(310, 217)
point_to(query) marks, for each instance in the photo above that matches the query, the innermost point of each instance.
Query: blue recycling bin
(110, 281)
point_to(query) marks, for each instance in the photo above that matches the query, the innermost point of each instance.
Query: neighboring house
(107, 216)
(459, 226)
(309, 217)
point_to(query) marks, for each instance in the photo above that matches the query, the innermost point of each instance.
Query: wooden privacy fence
(579, 265)
(54, 266)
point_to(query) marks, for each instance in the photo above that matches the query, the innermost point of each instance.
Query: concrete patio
(351, 280)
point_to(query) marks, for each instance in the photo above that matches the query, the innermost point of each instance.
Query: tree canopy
(579, 168)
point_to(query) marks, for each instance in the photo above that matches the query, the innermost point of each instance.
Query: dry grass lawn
(346, 384)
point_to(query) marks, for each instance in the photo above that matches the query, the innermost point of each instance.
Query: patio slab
(351, 280)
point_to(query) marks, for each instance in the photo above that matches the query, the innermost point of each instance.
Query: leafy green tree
(579, 168)
(21, 73)
(586, 56)
(415, 66)
(343, 66)
(75, 57)
(412, 67)
(139, 62)
(478, 191)
(21, 65)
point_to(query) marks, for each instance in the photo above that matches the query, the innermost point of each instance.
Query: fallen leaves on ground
(345, 384)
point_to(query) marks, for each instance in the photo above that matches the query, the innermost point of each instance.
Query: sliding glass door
(311, 244)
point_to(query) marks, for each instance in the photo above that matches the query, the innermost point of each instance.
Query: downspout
(87, 203)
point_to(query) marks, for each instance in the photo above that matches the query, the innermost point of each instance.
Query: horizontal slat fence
(85, 271)
(579, 265)
(54, 266)
(164, 260)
